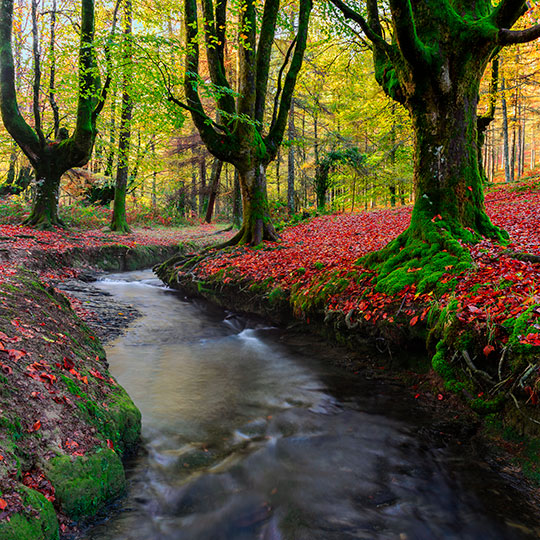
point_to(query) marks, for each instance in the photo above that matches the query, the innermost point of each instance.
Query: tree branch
(280, 78)
(214, 141)
(512, 37)
(108, 63)
(215, 42)
(275, 134)
(52, 75)
(372, 34)
(15, 124)
(508, 12)
(84, 135)
(412, 49)
(37, 75)
(264, 51)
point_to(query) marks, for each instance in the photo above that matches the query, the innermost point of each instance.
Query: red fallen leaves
(110, 444)
(14, 354)
(3, 504)
(488, 349)
(35, 427)
(36, 480)
(531, 339)
(97, 374)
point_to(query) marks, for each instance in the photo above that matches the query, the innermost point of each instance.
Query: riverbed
(251, 433)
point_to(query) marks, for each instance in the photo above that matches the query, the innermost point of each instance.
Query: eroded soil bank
(67, 425)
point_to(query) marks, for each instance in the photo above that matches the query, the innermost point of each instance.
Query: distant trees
(51, 157)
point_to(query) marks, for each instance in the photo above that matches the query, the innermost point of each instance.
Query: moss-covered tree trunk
(447, 178)
(433, 64)
(256, 221)
(51, 159)
(239, 136)
(47, 192)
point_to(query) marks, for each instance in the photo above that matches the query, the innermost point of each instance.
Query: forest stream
(251, 434)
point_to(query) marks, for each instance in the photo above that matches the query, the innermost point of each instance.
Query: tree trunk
(214, 184)
(119, 220)
(203, 194)
(47, 192)
(256, 223)
(237, 200)
(448, 183)
(290, 172)
(506, 149)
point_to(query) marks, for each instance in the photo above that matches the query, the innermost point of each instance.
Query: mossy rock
(126, 418)
(37, 522)
(83, 485)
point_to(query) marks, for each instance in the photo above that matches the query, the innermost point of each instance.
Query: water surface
(248, 437)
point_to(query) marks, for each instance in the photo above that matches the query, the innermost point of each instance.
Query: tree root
(521, 256)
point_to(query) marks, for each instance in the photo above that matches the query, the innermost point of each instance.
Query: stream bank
(67, 425)
(486, 370)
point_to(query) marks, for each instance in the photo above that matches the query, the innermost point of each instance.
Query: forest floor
(64, 421)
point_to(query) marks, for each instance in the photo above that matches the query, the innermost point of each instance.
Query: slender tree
(118, 220)
(51, 158)
(238, 136)
(433, 64)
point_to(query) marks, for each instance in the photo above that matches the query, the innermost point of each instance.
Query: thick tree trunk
(47, 192)
(256, 222)
(448, 183)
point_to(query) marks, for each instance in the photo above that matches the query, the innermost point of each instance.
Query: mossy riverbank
(67, 425)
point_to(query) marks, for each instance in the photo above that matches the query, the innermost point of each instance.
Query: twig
(474, 369)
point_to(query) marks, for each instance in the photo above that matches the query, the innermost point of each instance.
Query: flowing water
(248, 437)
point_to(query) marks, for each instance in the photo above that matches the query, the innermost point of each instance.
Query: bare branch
(512, 37)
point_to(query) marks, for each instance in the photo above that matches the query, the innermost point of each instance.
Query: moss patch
(37, 522)
(83, 485)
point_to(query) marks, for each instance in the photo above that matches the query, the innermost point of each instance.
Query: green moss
(36, 522)
(83, 485)
(487, 406)
(440, 363)
(277, 295)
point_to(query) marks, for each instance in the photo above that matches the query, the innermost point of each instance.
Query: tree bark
(50, 159)
(256, 222)
(290, 169)
(217, 166)
(506, 148)
(119, 219)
